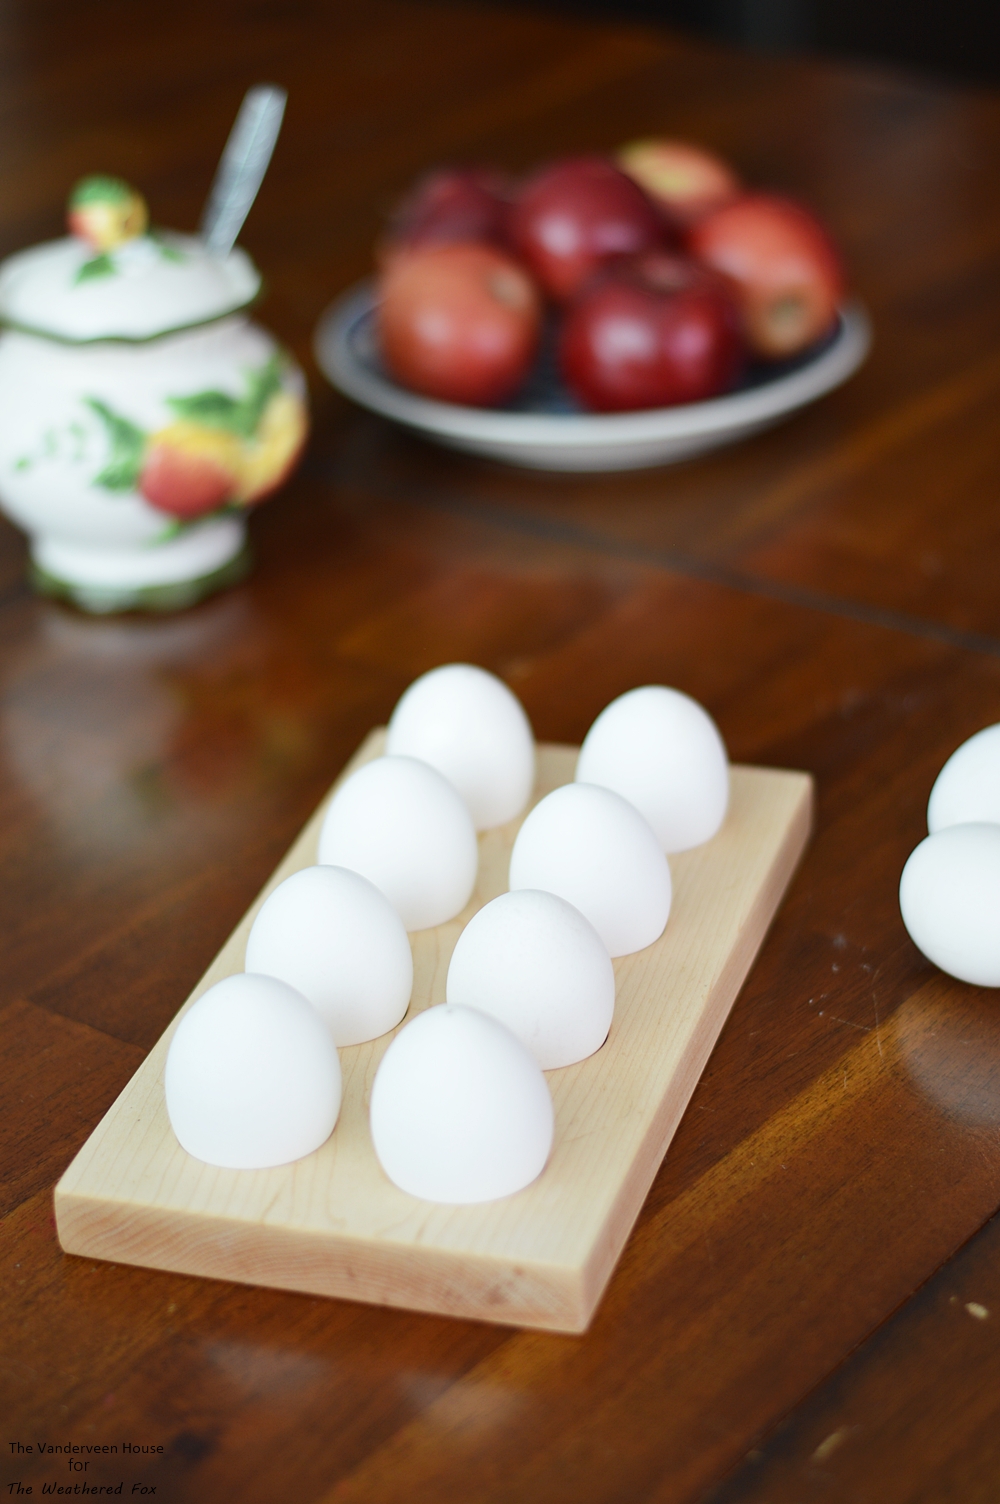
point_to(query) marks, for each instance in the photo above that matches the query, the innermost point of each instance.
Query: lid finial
(106, 212)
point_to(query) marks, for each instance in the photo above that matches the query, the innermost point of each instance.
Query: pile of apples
(664, 275)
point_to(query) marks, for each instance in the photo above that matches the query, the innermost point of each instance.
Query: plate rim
(720, 416)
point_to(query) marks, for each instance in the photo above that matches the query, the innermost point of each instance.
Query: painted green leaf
(98, 266)
(127, 444)
(211, 410)
(167, 252)
(173, 529)
(239, 415)
(261, 387)
(100, 188)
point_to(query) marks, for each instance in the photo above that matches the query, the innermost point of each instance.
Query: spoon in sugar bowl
(244, 161)
(142, 412)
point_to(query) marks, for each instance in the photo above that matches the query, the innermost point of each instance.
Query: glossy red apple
(782, 265)
(575, 216)
(684, 180)
(451, 205)
(651, 332)
(459, 322)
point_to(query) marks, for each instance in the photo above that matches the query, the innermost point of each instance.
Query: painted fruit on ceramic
(106, 212)
(459, 322)
(575, 216)
(269, 457)
(221, 450)
(651, 332)
(190, 470)
(782, 265)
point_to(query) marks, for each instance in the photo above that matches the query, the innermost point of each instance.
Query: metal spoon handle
(242, 166)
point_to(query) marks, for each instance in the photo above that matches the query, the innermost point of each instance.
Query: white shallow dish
(541, 431)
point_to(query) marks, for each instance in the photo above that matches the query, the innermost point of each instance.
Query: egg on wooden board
(460, 1111)
(662, 752)
(466, 723)
(252, 1076)
(949, 896)
(532, 960)
(591, 847)
(967, 789)
(333, 936)
(400, 823)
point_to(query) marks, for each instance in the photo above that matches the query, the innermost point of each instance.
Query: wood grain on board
(333, 1224)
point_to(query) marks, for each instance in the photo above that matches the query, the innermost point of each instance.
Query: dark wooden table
(809, 1306)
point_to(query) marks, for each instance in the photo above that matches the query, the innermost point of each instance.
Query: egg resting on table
(460, 1110)
(334, 937)
(252, 1077)
(401, 824)
(594, 849)
(535, 963)
(466, 723)
(967, 789)
(949, 896)
(662, 752)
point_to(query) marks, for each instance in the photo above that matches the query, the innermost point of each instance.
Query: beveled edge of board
(645, 1165)
(458, 1284)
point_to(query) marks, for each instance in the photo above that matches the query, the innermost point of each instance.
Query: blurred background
(957, 39)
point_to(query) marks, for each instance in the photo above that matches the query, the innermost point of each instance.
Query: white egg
(331, 935)
(662, 752)
(252, 1076)
(460, 1110)
(594, 849)
(467, 724)
(534, 962)
(949, 895)
(967, 789)
(400, 823)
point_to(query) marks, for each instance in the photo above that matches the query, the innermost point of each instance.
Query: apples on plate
(663, 277)
(459, 322)
(782, 266)
(446, 207)
(686, 181)
(575, 216)
(651, 332)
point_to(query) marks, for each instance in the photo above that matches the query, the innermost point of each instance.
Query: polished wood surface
(809, 1305)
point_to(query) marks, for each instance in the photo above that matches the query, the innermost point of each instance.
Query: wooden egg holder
(333, 1224)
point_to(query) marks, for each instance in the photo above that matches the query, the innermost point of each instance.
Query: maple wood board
(333, 1224)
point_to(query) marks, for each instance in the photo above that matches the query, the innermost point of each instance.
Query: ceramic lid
(113, 279)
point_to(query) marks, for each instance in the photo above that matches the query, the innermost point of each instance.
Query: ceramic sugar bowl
(141, 411)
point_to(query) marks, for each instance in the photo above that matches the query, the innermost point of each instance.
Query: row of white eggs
(460, 1110)
(949, 893)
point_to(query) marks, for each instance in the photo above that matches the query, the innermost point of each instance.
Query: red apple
(451, 205)
(651, 332)
(684, 180)
(575, 216)
(459, 322)
(782, 265)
